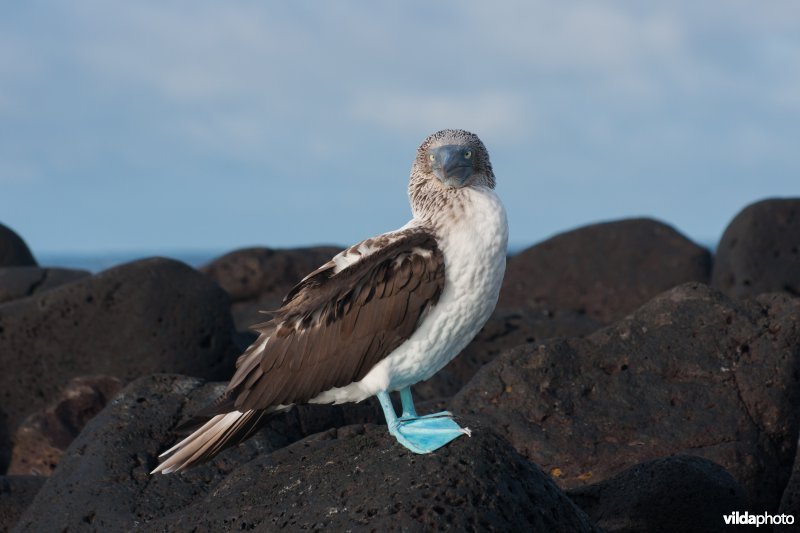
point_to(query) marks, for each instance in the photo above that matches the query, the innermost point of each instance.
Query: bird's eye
(432, 157)
(467, 154)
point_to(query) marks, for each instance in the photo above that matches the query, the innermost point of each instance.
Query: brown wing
(333, 327)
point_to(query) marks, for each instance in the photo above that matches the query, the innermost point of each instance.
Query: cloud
(502, 115)
(616, 95)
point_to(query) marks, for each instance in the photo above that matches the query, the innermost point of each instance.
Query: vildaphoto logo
(746, 519)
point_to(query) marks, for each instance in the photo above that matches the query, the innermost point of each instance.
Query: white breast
(474, 242)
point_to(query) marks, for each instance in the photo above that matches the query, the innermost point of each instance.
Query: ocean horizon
(100, 260)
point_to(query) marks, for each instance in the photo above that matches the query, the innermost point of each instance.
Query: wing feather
(335, 326)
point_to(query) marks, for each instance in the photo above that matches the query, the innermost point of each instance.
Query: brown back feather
(334, 327)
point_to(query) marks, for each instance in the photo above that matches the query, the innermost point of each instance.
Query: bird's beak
(451, 166)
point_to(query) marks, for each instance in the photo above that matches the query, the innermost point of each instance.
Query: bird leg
(408, 403)
(420, 434)
(409, 411)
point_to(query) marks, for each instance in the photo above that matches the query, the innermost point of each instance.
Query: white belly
(475, 259)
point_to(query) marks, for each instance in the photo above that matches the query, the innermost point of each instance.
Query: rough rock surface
(154, 315)
(760, 250)
(604, 270)
(357, 478)
(13, 250)
(353, 476)
(16, 493)
(504, 330)
(690, 372)
(257, 279)
(679, 493)
(42, 438)
(21, 281)
(103, 481)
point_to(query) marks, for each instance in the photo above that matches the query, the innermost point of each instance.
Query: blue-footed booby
(380, 316)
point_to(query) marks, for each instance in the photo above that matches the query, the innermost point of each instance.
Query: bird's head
(447, 163)
(454, 159)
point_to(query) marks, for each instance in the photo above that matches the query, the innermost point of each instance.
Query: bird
(380, 316)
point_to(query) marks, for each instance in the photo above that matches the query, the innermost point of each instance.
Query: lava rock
(103, 483)
(690, 372)
(153, 315)
(604, 270)
(353, 476)
(505, 329)
(103, 480)
(760, 250)
(19, 282)
(16, 493)
(257, 279)
(359, 478)
(42, 438)
(13, 250)
(679, 493)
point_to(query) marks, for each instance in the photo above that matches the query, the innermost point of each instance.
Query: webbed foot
(420, 434)
(427, 433)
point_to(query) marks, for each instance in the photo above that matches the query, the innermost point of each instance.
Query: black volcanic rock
(350, 477)
(604, 270)
(257, 279)
(690, 372)
(21, 281)
(154, 315)
(41, 439)
(760, 250)
(16, 493)
(13, 250)
(103, 483)
(357, 478)
(679, 493)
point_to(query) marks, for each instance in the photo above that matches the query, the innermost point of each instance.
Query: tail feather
(215, 435)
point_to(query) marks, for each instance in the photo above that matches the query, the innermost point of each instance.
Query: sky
(163, 126)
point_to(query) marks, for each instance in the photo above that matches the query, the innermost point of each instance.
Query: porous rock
(41, 439)
(359, 478)
(13, 250)
(690, 372)
(258, 278)
(153, 315)
(21, 281)
(604, 270)
(351, 477)
(16, 493)
(679, 493)
(760, 250)
(103, 480)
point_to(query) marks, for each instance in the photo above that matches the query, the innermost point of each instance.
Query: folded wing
(341, 320)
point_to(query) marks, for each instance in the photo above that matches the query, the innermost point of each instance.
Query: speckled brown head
(447, 161)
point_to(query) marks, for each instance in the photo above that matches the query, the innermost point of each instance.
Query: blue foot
(427, 433)
(420, 434)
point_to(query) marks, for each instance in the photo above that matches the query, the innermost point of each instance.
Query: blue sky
(201, 125)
